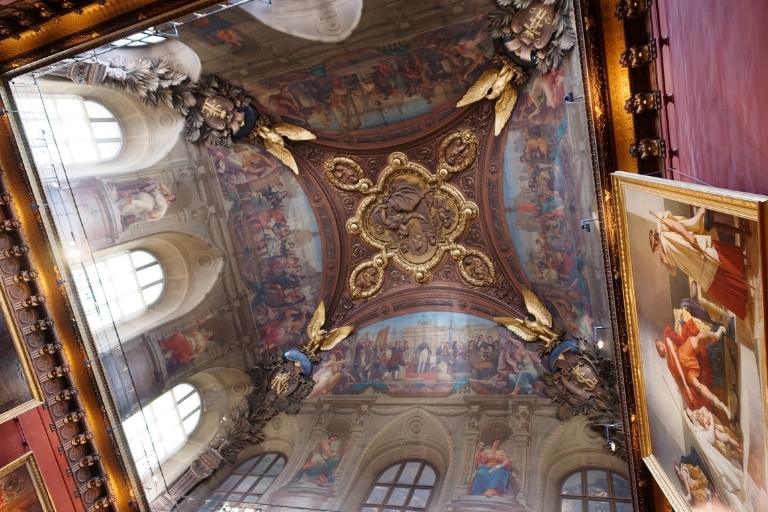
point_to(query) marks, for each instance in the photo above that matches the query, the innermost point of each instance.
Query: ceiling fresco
(408, 217)
(431, 354)
(276, 241)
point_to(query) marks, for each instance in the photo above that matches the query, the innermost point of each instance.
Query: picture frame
(20, 389)
(693, 260)
(22, 486)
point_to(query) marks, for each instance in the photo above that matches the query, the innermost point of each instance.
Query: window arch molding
(410, 483)
(191, 266)
(148, 134)
(163, 426)
(220, 389)
(574, 488)
(249, 481)
(386, 448)
(570, 447)
(119, 286)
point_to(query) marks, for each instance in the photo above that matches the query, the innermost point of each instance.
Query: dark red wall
(31, 432)
(716, 67)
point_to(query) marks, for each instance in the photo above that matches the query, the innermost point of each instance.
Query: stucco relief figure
(399, 216)
(147, 200)
(321, 464)
(181, 349)
(493, 476)
(718, 267)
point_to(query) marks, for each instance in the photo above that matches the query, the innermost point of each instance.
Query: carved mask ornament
(412, 216)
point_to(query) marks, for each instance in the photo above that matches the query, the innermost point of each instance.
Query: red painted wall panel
(715, 66)
(31, 432)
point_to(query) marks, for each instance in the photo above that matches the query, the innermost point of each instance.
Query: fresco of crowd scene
(400, 357)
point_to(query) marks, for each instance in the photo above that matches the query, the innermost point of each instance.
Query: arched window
(595, 490)
(118, 286)
(403, 487)
(248, 483)
(161, 428)
(85, 131)
(142, 38)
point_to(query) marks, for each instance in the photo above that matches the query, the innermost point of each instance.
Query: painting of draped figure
(320, 466)
(694, 257)
(493, 471)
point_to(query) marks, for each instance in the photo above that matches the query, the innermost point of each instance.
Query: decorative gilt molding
(412, 216)
(639, 55)
(648, 148)
(643, 102)
(629, 9)
(28, 311)
(18, 17)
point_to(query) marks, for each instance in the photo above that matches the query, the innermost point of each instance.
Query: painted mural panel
(380, 85)
(431, 354)
(548, 188)
(21, 488)
(493, 471)
(276, 240)
(320, 466)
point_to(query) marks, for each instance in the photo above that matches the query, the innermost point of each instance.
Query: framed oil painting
(19, 388)
(22, 488)
(693, 260)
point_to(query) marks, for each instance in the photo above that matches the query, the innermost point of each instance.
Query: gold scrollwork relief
(412, 216)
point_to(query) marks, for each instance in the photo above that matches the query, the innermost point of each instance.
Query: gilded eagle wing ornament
(335, 337)
(504, 106)
(500, 84)
(282, 153)
(315, 326)
(534, 306)
(517, 326)
(272, 138)
(481, 88)
(293, 132)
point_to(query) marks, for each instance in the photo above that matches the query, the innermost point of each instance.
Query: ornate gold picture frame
(22, 487)
(19, 388)
(693, 262)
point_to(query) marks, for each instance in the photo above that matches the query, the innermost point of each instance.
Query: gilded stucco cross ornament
(412, 216)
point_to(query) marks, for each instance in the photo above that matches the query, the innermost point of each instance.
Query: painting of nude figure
(693, 263)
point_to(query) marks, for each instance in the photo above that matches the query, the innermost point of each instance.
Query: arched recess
(221, 389)
(415, 435)
(191, 267)
(149, 134)
(569, 447)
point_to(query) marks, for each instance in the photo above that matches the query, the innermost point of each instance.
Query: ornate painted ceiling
(408, 217)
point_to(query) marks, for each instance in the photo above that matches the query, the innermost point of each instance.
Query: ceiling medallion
(412, 217)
